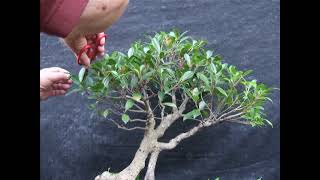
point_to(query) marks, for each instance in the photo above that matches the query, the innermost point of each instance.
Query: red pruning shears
(91, 49)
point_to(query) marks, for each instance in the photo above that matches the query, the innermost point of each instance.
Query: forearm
(98, 16)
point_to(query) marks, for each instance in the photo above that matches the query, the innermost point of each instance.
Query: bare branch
(151, 166)
(232, 111)
(175, 141)
(135, 105)
(136, 111)
(238, 121)
(125, 128)
(138, 120)
(230, 117)
(182, 107)
(115, 112)
(150, 115)
(174, 100)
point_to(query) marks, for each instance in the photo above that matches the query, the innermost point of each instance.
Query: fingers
(57, 76)
(61, 86)
(101, 45)
(57, 69)
(85, 61)
(100, 50)
(103, 40)
(57, 92)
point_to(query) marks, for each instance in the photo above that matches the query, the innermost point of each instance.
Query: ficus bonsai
(171, 78)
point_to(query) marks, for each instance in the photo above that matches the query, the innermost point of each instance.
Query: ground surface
(246, 32)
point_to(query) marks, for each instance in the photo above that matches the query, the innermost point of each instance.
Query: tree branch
(174, 100)
(175, 141)
(151, 166)
(138, 120)
(136, 111)
(150, 116)
(125, 128)
(182, 107)
(238, 121)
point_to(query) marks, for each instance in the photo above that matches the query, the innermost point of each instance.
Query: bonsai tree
(170, 78)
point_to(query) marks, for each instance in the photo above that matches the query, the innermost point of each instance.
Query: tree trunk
(136, 165)
(152, 165)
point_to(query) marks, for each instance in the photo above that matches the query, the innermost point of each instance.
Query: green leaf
(161, 95)
(209, 54)
(217, 178)
(172, 34)
(268, 99)
(129, 104)
(195, 92)
(105, 113)
(141, 67)
(247, 72)
(130, 52)
(202, 104)
(270, 123)
(187, 58)
(125, 118)
(115, 74)
(81, 74)
(213, 68)
(134, 81)
(155, 44)
(170, 104)
(222, 91)
(73, 91)
(203, 78)
(148, 75)
(192, 114)
(170, 72)
(145, 49)
(105, 81)
(136, 96)
(186, 75)
(187, 116)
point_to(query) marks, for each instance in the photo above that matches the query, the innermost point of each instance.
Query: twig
(138, 120)
(238, 121)
(125, 128)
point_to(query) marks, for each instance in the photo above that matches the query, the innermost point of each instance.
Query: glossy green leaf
(136, 96)
(170, 104)
(202, 105)
(129, 104)
(209, 54)
(156, 45)
(222, 91)
(81, 74)
(187, 58)
(125, 118)
(130, 52)
(187, 75)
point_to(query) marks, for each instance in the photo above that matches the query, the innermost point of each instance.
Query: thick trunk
(138, 162)
(152, 165)
(136, 165)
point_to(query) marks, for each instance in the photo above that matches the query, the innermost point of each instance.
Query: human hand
(97, 16)
(54, 81)
(78, 42)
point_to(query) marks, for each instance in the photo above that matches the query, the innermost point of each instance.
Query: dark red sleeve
(58, 17)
